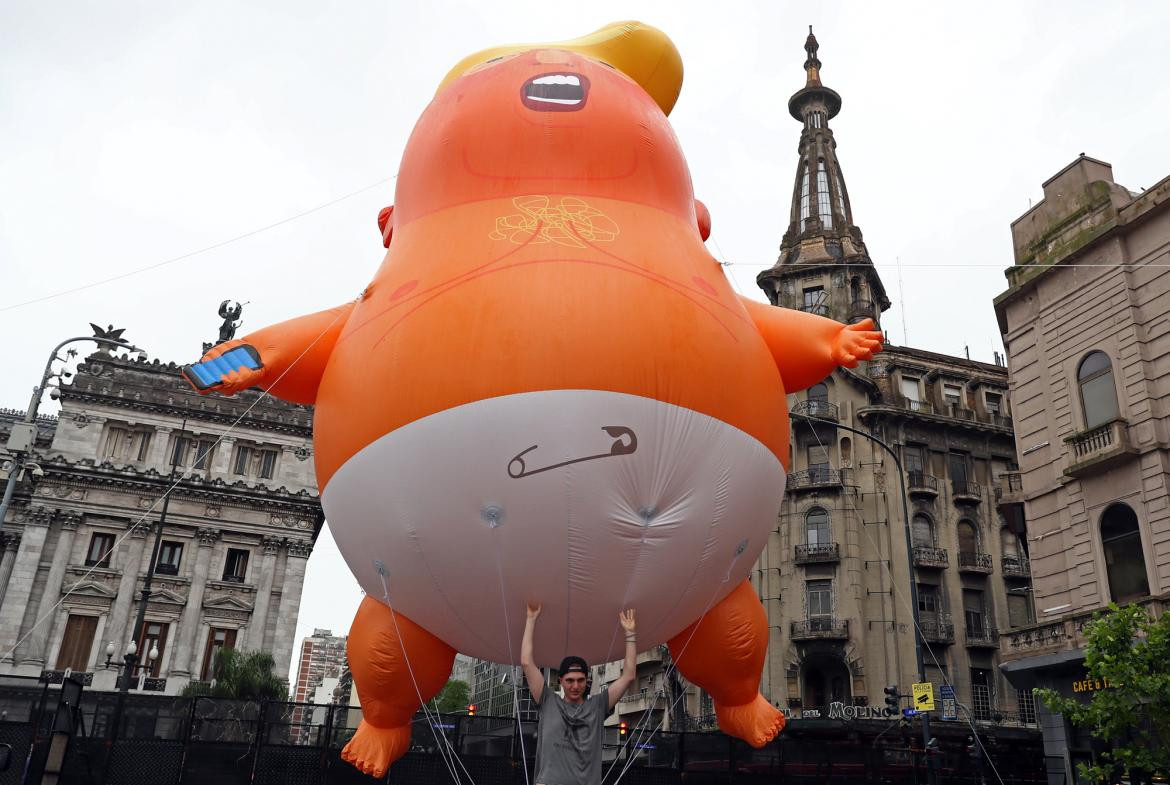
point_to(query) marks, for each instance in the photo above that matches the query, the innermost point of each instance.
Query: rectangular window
(814, 300)
(1026, 703)
(179, 453)
(77, 643)
(170, 554)
(957, 466)
(910, 388)
(820, 599)
(1019, 610)
(203, 454)
(235, 568)
(953, 395)
(994, 402)
(154, 634)
(981, 693)
(217, 639)
(267, 464)
(973, 613)
(100, 546)
(914, 458)
(928, 603)
(126, 445)
(243, 461)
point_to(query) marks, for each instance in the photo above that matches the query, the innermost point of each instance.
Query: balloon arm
(807, 347)
(292, 356)
(532, 674)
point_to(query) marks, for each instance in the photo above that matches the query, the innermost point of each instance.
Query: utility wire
(197, 252)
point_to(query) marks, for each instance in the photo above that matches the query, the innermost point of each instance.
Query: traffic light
(972, 748)
(471, 710)
(892, 699)
(623, 726)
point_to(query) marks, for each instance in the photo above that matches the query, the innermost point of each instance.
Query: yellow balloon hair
(641, 52)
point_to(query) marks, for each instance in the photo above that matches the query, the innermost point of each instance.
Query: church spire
(821, 232)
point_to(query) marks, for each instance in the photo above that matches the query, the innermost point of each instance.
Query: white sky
(132, 133)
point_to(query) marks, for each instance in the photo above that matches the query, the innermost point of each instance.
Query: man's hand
(626, 617)
(533, 611)
(629, 663)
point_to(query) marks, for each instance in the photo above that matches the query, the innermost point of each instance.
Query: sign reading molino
(839, 711)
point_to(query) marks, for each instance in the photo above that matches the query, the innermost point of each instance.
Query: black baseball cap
(572, 664)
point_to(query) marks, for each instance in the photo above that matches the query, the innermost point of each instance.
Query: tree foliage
(454, 697)
(1127, 655)
(243, 675)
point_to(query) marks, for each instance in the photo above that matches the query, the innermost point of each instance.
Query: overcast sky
(134, 133)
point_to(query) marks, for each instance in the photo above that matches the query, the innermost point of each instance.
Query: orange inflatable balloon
(549, 393)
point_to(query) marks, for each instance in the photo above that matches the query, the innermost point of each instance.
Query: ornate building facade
(1084, 322)
(79, 536)
(835, 576)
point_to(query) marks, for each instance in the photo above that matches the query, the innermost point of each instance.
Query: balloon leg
(384, 650)
(724, 654)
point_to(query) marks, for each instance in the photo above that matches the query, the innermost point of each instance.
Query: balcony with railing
(1098, 448)
(820, 628)
(946, 411)
(976, 563)
(1016, 567)
(929, 557)
(1009, 489)
(642, 700)
(821, 553)
(921, 484)
(966, 491)
(982, 636)
(815, 407)
(937, 628)
(817, 477)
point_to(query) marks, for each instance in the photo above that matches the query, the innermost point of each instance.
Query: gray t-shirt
(568, 739)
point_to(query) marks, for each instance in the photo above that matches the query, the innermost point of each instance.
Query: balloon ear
(385, 226)
(703, 218)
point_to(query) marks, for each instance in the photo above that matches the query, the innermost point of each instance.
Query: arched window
(826, 679)
(846, 453)
(922, 531)
(824, 206)
(1098, 395)
(816, 526)
(968, 540)
(818, 392)
(1125, 561)
(804, 208)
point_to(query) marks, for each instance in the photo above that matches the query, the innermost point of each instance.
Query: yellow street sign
(923, 696)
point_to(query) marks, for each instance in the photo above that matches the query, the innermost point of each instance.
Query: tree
(454, 697)
(243, 675)
(1126, 656)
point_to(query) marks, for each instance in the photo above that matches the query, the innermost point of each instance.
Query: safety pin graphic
(620, 446)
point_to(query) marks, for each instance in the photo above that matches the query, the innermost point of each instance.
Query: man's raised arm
(630, 666)
(532, 674)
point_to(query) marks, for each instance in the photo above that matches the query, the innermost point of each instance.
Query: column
(158, 456)
(24, 572)
(193, 610)
(131, 557)
(290, 604)
(255, 641)
(9, 543)
(34, 648)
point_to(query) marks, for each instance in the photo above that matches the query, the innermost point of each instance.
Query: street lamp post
(910, 561)
(22, 439)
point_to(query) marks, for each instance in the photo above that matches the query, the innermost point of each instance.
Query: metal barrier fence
(213, 741)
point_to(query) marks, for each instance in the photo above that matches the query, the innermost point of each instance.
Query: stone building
(80, 533)
(1084, 321)
(835, 575)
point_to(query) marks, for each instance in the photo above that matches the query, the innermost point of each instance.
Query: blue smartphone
(210, 373)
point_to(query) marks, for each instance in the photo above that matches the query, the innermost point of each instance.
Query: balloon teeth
(555, 92)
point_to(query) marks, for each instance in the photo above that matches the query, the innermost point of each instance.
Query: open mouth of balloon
(559, 92)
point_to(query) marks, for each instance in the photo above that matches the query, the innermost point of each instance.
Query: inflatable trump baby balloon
(548, 393)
